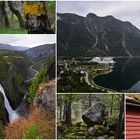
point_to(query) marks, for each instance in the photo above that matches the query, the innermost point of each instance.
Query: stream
(13, 115)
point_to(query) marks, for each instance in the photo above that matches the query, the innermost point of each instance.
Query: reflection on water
(124, 77)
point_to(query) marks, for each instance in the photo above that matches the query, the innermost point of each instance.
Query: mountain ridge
(11, 47)
(96, 36)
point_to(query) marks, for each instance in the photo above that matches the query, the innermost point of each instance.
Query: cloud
(123, 10)
(27, 40)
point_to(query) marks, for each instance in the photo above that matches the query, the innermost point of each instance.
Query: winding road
(93, 85)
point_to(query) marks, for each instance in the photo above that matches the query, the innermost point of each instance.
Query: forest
(88, 116)
(22, 17)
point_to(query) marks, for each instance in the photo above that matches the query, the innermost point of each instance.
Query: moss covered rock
(99, 130)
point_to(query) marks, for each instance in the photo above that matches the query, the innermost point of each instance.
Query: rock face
(3, 111)
(14, 70)
(45, 96)
(96, 36)
(95, 114)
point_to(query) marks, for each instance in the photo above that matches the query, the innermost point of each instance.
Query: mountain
(96, 36)
(42, 54)
(10, 47)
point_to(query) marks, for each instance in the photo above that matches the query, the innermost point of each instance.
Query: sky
(123, 10)
(27, 40)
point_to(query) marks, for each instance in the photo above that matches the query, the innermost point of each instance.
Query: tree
(17, 13)
(111, 104)
(36, 18)
(68, 112)
(90, 100)
(59, 104)
(120, 124)
(4, 14)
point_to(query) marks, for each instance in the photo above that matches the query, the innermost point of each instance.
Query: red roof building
(132, 118)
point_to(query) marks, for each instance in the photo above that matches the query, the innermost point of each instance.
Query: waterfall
(12, 113)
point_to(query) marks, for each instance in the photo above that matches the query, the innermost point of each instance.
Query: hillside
(96, 36)
(41, 55)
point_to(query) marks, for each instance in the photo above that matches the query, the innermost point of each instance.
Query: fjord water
(12, 113)
(124, 77)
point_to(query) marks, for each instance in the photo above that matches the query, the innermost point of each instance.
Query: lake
(125, 76)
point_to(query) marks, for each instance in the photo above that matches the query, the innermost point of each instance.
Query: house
(133, 116)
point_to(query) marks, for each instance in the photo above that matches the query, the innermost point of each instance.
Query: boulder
(95, 114)
(97, 130)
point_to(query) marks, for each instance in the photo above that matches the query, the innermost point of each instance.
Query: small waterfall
(12, 113)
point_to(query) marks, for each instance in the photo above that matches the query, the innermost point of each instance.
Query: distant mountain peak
(92, 15)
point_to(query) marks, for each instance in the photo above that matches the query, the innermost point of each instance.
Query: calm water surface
(124, 77)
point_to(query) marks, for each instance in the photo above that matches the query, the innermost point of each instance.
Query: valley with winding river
(27, 93)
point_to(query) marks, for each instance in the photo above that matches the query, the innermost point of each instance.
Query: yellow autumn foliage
(34, 8)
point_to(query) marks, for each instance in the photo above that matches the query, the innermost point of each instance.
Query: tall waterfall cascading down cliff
(12, 113)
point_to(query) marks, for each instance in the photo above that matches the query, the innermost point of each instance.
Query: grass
(39, 122)
(13, 29)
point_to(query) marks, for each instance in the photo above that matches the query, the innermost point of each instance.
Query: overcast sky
(123, 10)
(27, 40)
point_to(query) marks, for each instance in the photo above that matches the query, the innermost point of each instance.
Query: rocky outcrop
(95, 114)
(45, 96)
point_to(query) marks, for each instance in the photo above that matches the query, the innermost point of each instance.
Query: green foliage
(79, 131)
(39, 78)
(32, 132)
(112, 121)
(12, 30)
(51, 13)
(1, 131)
(50, 6)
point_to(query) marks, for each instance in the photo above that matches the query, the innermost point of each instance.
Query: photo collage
(69, 69)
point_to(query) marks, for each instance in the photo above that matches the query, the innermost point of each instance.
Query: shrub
(33, 88)
(32, 132)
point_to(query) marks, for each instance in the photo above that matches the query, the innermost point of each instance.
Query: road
(92, 84)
